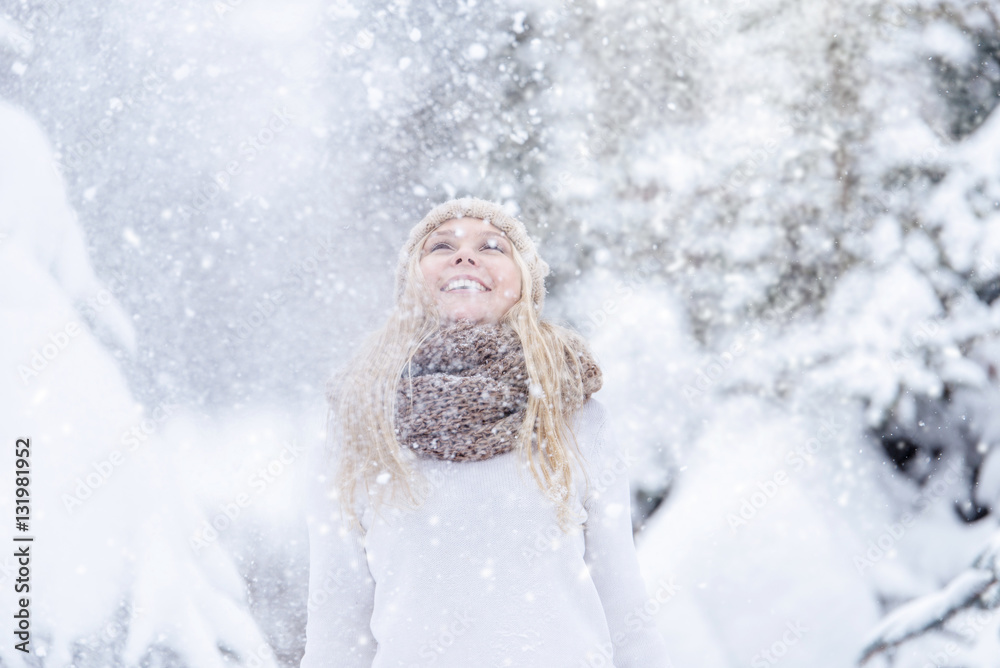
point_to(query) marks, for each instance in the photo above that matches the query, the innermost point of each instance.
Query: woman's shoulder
(591, 416)
(590, 429)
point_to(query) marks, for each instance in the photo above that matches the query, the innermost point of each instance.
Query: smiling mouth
(464, 285)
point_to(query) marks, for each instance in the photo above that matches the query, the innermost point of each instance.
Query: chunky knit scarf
(468, 392)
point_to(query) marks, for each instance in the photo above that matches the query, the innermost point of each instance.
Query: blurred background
(777, 223)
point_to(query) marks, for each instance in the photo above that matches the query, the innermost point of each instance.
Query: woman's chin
(453, 318)
(473, 317)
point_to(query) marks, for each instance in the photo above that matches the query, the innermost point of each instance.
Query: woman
(449, 554)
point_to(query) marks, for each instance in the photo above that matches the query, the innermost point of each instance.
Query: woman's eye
(489, 245)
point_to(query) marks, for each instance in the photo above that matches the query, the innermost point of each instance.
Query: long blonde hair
(362, 399)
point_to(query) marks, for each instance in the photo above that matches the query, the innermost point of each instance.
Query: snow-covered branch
(933, 610)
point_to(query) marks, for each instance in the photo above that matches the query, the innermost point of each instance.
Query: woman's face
(468, 266)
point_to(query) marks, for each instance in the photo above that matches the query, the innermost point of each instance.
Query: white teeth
(460, 283)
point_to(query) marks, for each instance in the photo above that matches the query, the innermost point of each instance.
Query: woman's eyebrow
(484, 233)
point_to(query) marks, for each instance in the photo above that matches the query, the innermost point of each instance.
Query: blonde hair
(362, 400)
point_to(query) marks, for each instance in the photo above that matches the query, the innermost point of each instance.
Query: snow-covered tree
(112, 577)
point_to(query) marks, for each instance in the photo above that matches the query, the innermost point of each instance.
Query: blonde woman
(474, 508)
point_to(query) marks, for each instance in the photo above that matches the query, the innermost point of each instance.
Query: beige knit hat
(488, 211)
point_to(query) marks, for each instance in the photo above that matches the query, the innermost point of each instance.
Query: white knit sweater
(479, 576)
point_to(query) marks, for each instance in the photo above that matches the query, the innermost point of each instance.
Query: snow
(753, 546)
(988, 489)
(103, 495)
(946, 40)
(770, 220)
(931, 610)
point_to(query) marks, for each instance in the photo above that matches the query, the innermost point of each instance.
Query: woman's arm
(610, 555)
(341, 588)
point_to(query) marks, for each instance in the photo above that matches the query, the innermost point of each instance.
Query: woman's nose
(464, 254)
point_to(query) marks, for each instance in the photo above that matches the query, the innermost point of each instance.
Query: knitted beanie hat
(491, 213)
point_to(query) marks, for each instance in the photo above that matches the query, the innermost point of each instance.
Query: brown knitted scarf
(468, 392)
